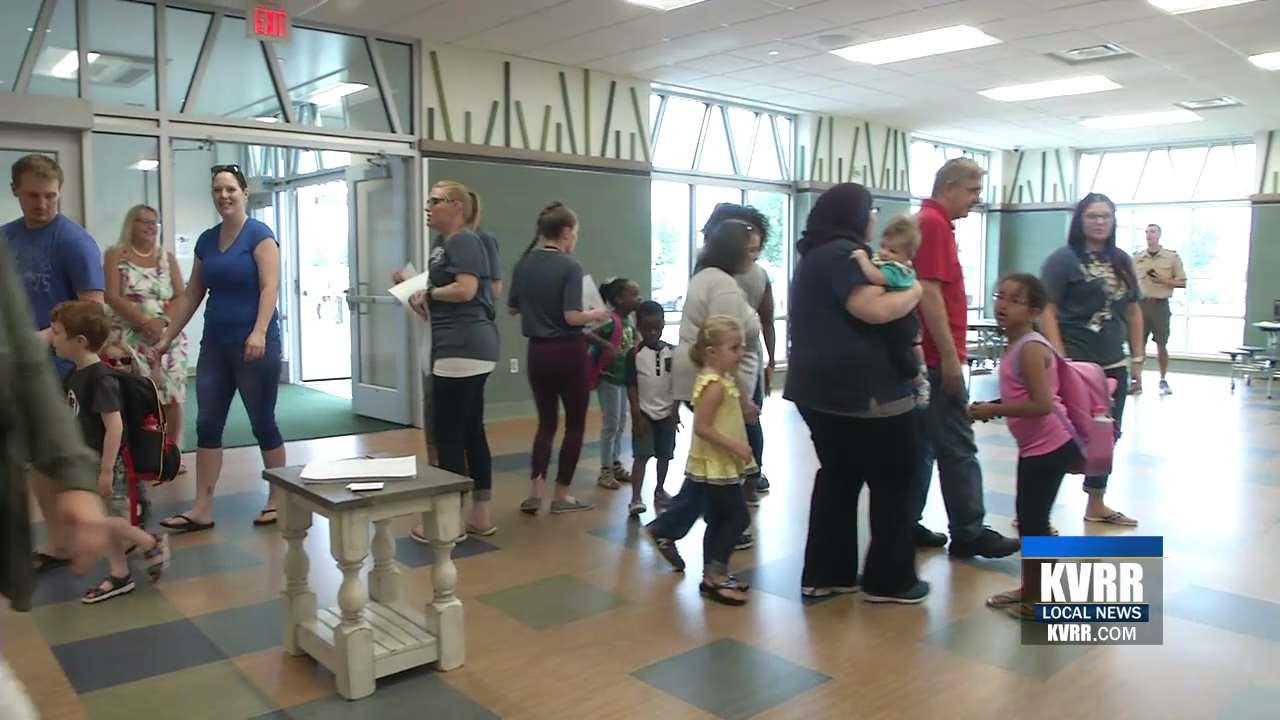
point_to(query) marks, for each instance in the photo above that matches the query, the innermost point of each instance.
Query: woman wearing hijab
(845, 376)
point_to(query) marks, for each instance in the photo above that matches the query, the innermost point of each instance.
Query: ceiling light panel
(917, 45)
(1178, 7)
(1266, 61)
(1140, 120)
(665, 5)
(1081, 85)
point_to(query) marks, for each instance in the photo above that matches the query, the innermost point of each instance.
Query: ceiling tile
(673, 74)
(783, 25)
(819, 63)
(542, 28)
(454, 19)
(785, 52)
(764, 74)
(844, 12)
(720, 64)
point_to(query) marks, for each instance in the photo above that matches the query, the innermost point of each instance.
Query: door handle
(354, 300)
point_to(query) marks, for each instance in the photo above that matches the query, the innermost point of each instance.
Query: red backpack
(1086, 391)
(595, 357)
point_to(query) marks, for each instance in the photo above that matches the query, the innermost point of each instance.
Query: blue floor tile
(208, 559)
(410, 695)
(111, 660)
(780, 577)
(244, 630)
(730, 679)
(1255, 702)
(1227, 611)
(412, 553)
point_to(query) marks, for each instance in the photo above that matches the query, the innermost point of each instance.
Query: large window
(706, 153)
(1197, 195)
(971, 231)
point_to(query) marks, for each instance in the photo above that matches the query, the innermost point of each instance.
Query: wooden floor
(576, 616)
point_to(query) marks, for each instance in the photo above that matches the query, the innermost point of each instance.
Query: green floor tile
(552, 601)
(73, 620)
(206, 692)
(1255, 702)
(992, 637)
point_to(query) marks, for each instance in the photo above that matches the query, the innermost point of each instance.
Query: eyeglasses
(233, 169)
(997, 295)
(1099, 217)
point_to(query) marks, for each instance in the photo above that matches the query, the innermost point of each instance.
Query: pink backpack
(1086, 393)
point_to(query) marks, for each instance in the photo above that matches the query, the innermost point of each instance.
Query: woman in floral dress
(142, 280)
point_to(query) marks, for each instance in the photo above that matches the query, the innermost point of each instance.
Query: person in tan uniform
(1159, 274)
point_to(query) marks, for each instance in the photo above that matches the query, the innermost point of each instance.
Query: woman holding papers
(459, 301)
(546, 291)
(238, 266)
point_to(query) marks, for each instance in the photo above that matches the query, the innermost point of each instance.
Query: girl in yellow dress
(719, 456)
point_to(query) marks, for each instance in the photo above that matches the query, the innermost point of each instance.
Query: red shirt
(939, 260)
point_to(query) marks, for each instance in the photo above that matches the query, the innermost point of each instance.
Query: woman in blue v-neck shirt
(238, 266)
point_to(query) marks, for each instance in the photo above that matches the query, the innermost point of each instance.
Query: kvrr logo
(1091, 582)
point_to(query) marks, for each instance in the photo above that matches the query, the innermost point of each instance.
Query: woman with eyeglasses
(237, 266)
(142, 282)
(464, 337)
(1093, 310)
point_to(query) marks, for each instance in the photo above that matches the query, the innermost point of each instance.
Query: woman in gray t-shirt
(1092, 311)
(459, 301)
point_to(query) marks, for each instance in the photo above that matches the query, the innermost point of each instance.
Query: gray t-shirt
(1092, 302)
(495, 258)
(545, 284)
(462, 330)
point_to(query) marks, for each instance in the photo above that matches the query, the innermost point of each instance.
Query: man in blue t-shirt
(57, 261)
(56, 258)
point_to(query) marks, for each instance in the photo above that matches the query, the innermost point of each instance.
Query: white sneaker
(1164, 388)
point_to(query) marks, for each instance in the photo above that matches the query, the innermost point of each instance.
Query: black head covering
(841, 212)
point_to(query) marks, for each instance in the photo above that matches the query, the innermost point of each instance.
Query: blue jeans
(725, 510)
(221, 371)
(755, 433)
(946, 436)
(613, 408)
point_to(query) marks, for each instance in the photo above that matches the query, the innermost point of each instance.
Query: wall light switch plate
(515, 365)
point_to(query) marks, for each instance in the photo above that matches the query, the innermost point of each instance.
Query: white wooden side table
(372, 632)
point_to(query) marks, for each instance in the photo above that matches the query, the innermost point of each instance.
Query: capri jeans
(221, 371)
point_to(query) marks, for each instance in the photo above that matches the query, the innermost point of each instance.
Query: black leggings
(459, 430)
(1039, 478)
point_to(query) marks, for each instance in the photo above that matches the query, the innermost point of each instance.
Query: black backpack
(151, 454)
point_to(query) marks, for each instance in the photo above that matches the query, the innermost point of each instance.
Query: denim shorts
(659, 442)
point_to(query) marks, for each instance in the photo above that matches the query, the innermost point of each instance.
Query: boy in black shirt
(79, 330)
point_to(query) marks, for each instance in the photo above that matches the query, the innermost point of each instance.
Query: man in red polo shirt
(947, 435)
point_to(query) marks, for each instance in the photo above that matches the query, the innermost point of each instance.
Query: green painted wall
(992, 270)
(613, 240)
(1264, 269)
(1027, 237)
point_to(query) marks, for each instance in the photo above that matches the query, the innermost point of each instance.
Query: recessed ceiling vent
(1093, 53)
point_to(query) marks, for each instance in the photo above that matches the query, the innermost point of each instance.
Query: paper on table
(334, 470)
(591, 299)
(406, 289)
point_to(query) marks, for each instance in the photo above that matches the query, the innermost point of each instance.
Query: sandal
(186, 526)
(531, 505)
(1114, 518)
(1005, 599)
(262, 519)
(1022, 611)
(473, 530)
(107, 589)
(716, 592)
(569, 505)
(704, 587)
(157, 557)
(43, 562)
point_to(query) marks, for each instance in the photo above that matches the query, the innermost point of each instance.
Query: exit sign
(268, 23)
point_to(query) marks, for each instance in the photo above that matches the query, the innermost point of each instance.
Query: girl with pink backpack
(1031, 399)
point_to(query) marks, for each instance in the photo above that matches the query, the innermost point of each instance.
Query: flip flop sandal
(705, 587)
(262, 519)
(43, 562)
(107, 589)
(1115, 518)
(531, 506)
(473, 530)
(1022, 611)
(1005, 599)
(186, 526)
(715, 592)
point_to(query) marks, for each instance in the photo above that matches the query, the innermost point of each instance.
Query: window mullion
(702, 136)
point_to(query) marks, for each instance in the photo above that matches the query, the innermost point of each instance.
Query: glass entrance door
(324, 275)
(379, 239)
(61, 146)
